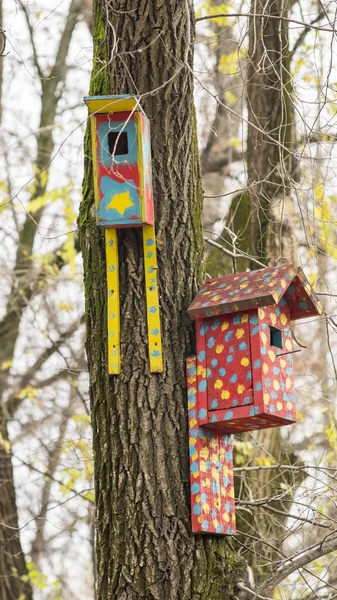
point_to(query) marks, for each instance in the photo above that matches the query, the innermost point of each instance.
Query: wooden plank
(152, 300)
(111, 247)
(211, 469)
(229, 370)
(201, 329)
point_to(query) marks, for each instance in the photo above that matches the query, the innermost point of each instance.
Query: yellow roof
(111, 104)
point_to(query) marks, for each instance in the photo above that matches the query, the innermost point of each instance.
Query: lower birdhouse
(244, 359)
(241, 378)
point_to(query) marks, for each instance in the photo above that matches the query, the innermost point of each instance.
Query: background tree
(41, 355)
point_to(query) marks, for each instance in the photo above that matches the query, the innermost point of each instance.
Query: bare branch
(232, 254)
(32, 40)
(278, 17)
(329, 544)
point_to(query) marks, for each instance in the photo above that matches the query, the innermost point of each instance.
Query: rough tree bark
(270, 133)
(270, 170)
(145, 549)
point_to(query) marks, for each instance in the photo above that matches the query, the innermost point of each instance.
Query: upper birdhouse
(244, 370)
(122, 161)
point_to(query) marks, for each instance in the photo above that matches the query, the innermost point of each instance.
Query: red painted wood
(228, 360)
(236, 356)
(202, 373)
(138, 174)
(264, 287)
(211, 469)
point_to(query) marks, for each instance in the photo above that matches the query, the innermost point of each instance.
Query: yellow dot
(215, 474)
(284, 319)
(283, 284)
(289, 406)
(207, 482)
(265, 368)
(244, 318)
(218, 384)
(262, 314)
(271, 355)
(224, 326)
(241, 388)
(263, 338)
(204, 453)
(226, 517)
(225, 394)
(216, 298)
(205, 508)
(283, 363)
(276, 385)
(279, 405)
(288, 383)
(219, 349)
(288, 345)
(266, 398)
(240, 333)
(245, 362)
(273, 318)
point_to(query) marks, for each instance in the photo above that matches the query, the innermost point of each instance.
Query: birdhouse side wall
(272, 354)
(146, 169)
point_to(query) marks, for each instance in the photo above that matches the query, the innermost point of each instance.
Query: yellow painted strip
(152, 300)
(94, 160)
(141, 190)
(111, 245)
(111, 104)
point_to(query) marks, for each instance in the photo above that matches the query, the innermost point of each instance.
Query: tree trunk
(271, 239)
(14, 583)
(145, 548)
(270, 132)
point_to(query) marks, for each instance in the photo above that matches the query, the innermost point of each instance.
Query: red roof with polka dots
(264, 287)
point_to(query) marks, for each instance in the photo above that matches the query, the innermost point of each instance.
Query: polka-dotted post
(211, 469)
(152, 300)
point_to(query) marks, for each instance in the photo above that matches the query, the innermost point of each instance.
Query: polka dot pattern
(264, 287)
(244, 381)
(241, 378)
(211, 469)
(228, 361)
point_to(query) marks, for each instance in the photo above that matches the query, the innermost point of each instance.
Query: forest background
(285, 482)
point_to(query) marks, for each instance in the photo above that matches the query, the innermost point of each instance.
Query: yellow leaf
(6, 365)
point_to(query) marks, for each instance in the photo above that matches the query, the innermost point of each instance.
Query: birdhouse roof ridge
(252, 289)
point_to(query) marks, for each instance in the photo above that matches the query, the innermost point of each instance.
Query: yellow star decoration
(120, 202)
